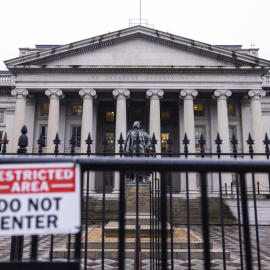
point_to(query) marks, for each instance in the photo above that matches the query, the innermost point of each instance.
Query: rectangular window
(164, 145)
(198, 109)
(77, 109)
(2, 114)
(231, 132)
(198, 180)
(44, 132)
(45, 109)
(109, 176)
(76, 131)
(138, 116)
(198, 132)
(110, 117)
(230, 110)
(234, 179)
(110, 138)
(165, 116)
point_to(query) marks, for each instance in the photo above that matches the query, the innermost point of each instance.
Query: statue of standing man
(138, 142)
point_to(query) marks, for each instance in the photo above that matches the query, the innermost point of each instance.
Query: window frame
(165, 143)
(43, 111)
(198, 112)
(78, 141)
(44, 136)
(233, 110)
(75, 112)
(165, 116)
(112, 116)
(235, 134)
(197, 145)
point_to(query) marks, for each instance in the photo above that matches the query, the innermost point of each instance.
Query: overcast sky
(25, 23)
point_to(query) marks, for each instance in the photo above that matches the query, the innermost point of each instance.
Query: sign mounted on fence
(40, 199)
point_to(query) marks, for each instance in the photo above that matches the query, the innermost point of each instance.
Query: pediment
(136, 47)
(138, 52)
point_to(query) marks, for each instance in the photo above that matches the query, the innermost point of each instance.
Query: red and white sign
(40, 199)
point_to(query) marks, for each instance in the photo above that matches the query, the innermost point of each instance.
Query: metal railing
(161, 211)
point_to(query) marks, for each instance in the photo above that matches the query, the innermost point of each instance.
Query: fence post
(57, 142)
(16, 251)
(4, 143)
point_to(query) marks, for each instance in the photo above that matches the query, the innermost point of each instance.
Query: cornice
(138, 32)
(142, 70)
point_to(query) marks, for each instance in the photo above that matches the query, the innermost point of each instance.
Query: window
(138, 116)
(77, 109)
(234, 179)
(198, 180)
(164, 145)
(109, 178)
(44, 132)
(45, 109)
(198, 109)
(110, 138)
(110, 117)
(165, 116)
(198, 132)
(76, 131)
(231, 132)
(230, 110)
(2, 113)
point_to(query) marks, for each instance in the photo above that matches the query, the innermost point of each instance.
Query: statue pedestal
(144, 198)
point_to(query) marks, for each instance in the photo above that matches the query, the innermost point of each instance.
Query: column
(222, 117)
(19, 121)
(87, 115)
(189, 128)
(257, 131)
(121, 96)
(154, 117)
(223, 128)
(53, 119)
(256, 119)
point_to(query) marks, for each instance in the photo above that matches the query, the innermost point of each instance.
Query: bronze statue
(138, 143)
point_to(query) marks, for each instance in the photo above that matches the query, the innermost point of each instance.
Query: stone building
(103, 84)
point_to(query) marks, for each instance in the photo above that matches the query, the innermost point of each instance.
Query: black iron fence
(159, 245)
(227, 188)
(41, 142)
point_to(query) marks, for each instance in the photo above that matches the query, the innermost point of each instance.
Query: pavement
(231, 245)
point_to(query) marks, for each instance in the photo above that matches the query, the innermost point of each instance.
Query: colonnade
(154, 95)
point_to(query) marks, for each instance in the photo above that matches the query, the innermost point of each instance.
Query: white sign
(40, 199)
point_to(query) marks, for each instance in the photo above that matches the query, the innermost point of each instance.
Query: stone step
(180, 254)
(131, 245)
(144, 219)
(111, 230)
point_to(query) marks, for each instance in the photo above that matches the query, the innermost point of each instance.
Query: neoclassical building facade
(170, 84)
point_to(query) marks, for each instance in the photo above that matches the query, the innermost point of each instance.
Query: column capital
(154, 94)
(256, 94)
(121, 94)
(88, 93)
(188, 94)
(58, 93)
(17, 92)
(222, 94)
